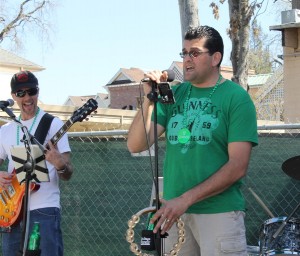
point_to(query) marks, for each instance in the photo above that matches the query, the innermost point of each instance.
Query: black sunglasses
(30, 92)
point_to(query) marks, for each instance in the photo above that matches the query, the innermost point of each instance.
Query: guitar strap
(43, 128)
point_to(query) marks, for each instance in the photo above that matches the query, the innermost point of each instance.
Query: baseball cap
(23, 79)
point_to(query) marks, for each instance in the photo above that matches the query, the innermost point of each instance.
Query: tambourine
(136, 249)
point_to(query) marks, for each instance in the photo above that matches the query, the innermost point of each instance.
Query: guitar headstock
(80, 114)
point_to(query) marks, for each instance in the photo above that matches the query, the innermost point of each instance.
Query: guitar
(11, 199)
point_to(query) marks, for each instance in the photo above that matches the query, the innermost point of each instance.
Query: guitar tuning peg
(87, 119)
(95, 111)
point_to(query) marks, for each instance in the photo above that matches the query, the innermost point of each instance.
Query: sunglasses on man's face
(30, 92)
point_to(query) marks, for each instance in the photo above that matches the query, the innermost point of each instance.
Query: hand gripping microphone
(164, 88)
(171, 76)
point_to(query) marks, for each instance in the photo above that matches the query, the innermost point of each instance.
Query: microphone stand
(28, 167)
(153, 96)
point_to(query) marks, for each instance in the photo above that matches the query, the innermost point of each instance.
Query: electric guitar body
(11, 201)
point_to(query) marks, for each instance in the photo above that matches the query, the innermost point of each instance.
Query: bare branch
(28, 15)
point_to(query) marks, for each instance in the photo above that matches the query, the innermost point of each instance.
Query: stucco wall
(292, 81)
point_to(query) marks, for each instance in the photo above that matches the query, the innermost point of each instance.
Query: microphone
(171, 76)
(6, 103)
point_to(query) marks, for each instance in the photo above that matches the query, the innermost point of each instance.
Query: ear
(217, 56)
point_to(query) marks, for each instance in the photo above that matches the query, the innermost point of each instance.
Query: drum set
(281, 235)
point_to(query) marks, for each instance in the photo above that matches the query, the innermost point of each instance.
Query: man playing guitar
(45, 202)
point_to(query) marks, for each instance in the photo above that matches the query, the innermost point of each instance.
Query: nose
(187, 58)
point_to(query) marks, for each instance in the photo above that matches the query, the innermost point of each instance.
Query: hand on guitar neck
(53, 156)
(61, 162)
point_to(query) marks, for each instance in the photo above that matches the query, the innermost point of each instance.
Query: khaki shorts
(221, 234)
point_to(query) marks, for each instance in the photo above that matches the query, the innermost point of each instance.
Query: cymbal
(292, 167)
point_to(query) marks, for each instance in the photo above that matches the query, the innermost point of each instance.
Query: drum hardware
(279, 230)
(281, 236)
(252, 250)
(288, 242)
(291, 167)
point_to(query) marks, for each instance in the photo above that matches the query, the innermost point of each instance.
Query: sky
(93, 39)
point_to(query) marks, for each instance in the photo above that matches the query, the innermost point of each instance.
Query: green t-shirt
(227, 116)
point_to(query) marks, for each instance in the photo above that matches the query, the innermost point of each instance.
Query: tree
(259, 54)
(188, 15)
(240, 12)
(27, 15)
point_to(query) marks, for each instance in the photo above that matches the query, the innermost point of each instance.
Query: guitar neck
(60, 133)
(78, 115)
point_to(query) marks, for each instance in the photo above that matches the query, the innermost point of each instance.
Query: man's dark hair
(214, 41)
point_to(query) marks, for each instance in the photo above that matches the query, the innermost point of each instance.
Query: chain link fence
(109, 185)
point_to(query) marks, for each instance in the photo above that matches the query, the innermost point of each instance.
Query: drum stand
(291, 168)
(279, 230)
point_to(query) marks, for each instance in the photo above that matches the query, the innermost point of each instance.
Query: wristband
(62, 171)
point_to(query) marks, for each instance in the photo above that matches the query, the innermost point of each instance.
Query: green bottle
(35, 237)
(150, 226)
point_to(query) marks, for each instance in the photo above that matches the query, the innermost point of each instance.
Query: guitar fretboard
(60, 133)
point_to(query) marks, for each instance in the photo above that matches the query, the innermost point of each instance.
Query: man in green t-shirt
(210, 131)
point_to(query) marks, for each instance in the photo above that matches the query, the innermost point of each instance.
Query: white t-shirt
(48, 195)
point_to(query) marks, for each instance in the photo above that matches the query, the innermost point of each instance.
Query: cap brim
(23, 86)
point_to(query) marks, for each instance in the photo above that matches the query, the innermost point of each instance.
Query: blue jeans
(51, 235)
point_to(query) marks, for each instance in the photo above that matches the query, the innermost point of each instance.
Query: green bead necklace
(184, 134)
(30, 129)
